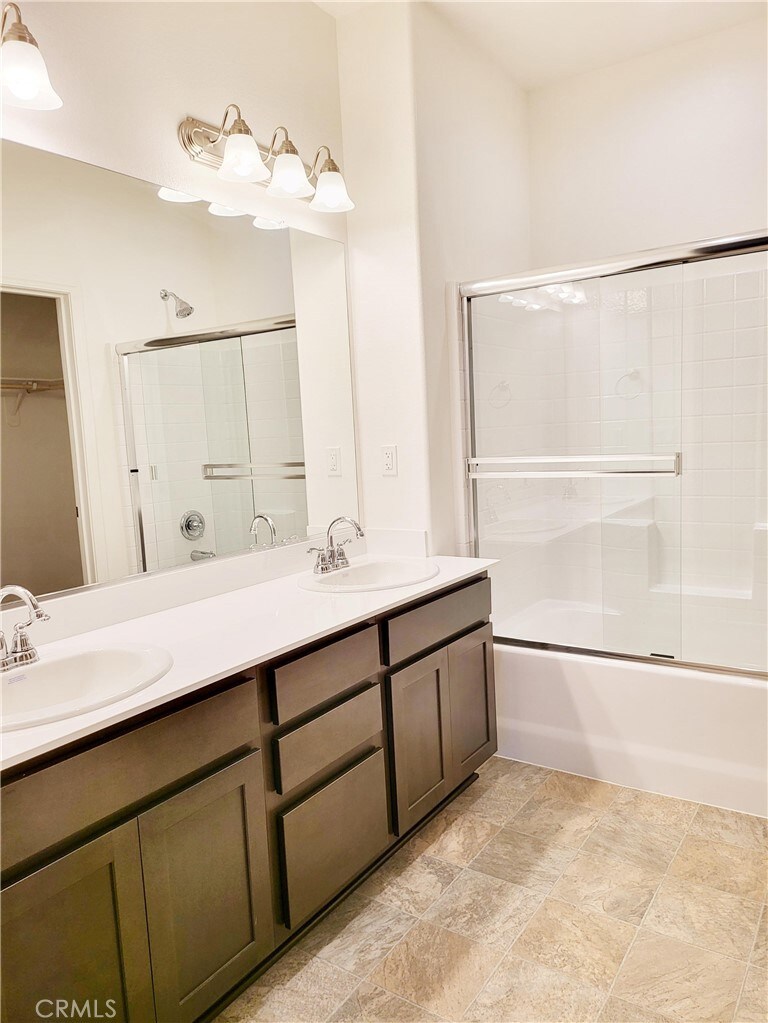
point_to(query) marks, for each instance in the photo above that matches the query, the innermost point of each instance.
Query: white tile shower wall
(668, 560)
(725, 417)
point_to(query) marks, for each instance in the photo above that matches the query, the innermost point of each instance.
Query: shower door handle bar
(675, 469)
(253, 471)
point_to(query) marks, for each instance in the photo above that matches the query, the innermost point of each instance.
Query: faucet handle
(316, 550)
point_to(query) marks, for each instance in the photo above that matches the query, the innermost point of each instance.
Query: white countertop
(220, 636)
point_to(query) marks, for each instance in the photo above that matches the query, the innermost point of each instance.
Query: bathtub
(682, 732)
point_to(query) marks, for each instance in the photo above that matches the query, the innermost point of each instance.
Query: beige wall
(39, 543)
(660, 150)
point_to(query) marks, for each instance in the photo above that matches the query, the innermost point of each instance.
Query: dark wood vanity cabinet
(443, 723)
(76, 930)
(207, 885)
(153, 868)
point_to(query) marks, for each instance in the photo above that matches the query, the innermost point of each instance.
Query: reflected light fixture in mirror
(218, 210)
(267, 224)
(174, 195)
(23, 74)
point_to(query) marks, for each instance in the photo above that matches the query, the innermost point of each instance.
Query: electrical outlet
(389, 460)
(333, 460)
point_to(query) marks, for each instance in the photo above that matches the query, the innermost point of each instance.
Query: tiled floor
(540, 896)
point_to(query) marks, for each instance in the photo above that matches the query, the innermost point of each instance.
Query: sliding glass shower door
(575, 466)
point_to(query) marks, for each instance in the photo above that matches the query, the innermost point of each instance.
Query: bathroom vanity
(156, 863)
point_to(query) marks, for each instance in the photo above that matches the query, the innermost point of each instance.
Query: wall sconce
(23, 74)
(242, 158)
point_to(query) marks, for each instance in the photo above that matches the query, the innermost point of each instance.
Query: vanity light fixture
(242, 160)
(267, 224)
(173, 195)
(23, 74)
(331, 194)
(289, 177)
(219, 210)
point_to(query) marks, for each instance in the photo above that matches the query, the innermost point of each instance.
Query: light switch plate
(333, 461)
(389, 460)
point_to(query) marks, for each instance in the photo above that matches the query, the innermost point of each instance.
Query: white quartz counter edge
(219, 636)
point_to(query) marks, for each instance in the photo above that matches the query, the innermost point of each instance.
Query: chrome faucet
(22, 651)
(333, 557)
(270, 525)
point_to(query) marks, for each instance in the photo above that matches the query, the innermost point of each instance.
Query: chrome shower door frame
(713, 248)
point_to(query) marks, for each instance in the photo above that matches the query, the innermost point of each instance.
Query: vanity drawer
(76, 795)
(412, 632)
(310, 681)
(332, 836)
(309, 748)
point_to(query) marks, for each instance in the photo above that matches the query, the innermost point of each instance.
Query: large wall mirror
(169, 375)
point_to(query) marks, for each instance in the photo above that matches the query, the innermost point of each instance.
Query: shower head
(183, 309)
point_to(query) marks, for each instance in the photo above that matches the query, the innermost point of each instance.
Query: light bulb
(242, 160)
(331, 194)
(267, 224)
(289, 178)
(173, 195)
(24, 76)
(219, 210)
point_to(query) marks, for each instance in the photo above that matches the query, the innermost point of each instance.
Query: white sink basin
(372, 574)
(62, 687)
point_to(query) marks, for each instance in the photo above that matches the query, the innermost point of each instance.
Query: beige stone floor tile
(357, 934)
(437, 969)
(492, 800)
(616, 887)
(616, 1010)
(524, 777)
(589, 791)
(523, 860)
(662, 811)
(298, 988)
(734, 828)
(705, 917)
(371, 1004)
(753, 1005)
(646, 845)
(485, 909)
(410, 882)
(454, 836)
(586, 945)
(556, 821)
(728, 868)
(759, 955)
(679, 980)
(525, 992)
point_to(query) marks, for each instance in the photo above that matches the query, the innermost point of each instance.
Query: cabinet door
(421, 733)
(76, 931)
(206, 877)
(473, 702)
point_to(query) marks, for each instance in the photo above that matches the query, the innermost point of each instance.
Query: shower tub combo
(617, 469)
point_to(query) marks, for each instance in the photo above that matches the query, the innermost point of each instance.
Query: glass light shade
(267, 224)
(173, 195)
(331, 194)
(24, 77)
(242, 160)
(219, 210)
(289, 178)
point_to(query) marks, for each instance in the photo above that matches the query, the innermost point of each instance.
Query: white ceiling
(538, 41)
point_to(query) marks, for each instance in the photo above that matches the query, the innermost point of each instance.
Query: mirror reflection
(176, 383)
